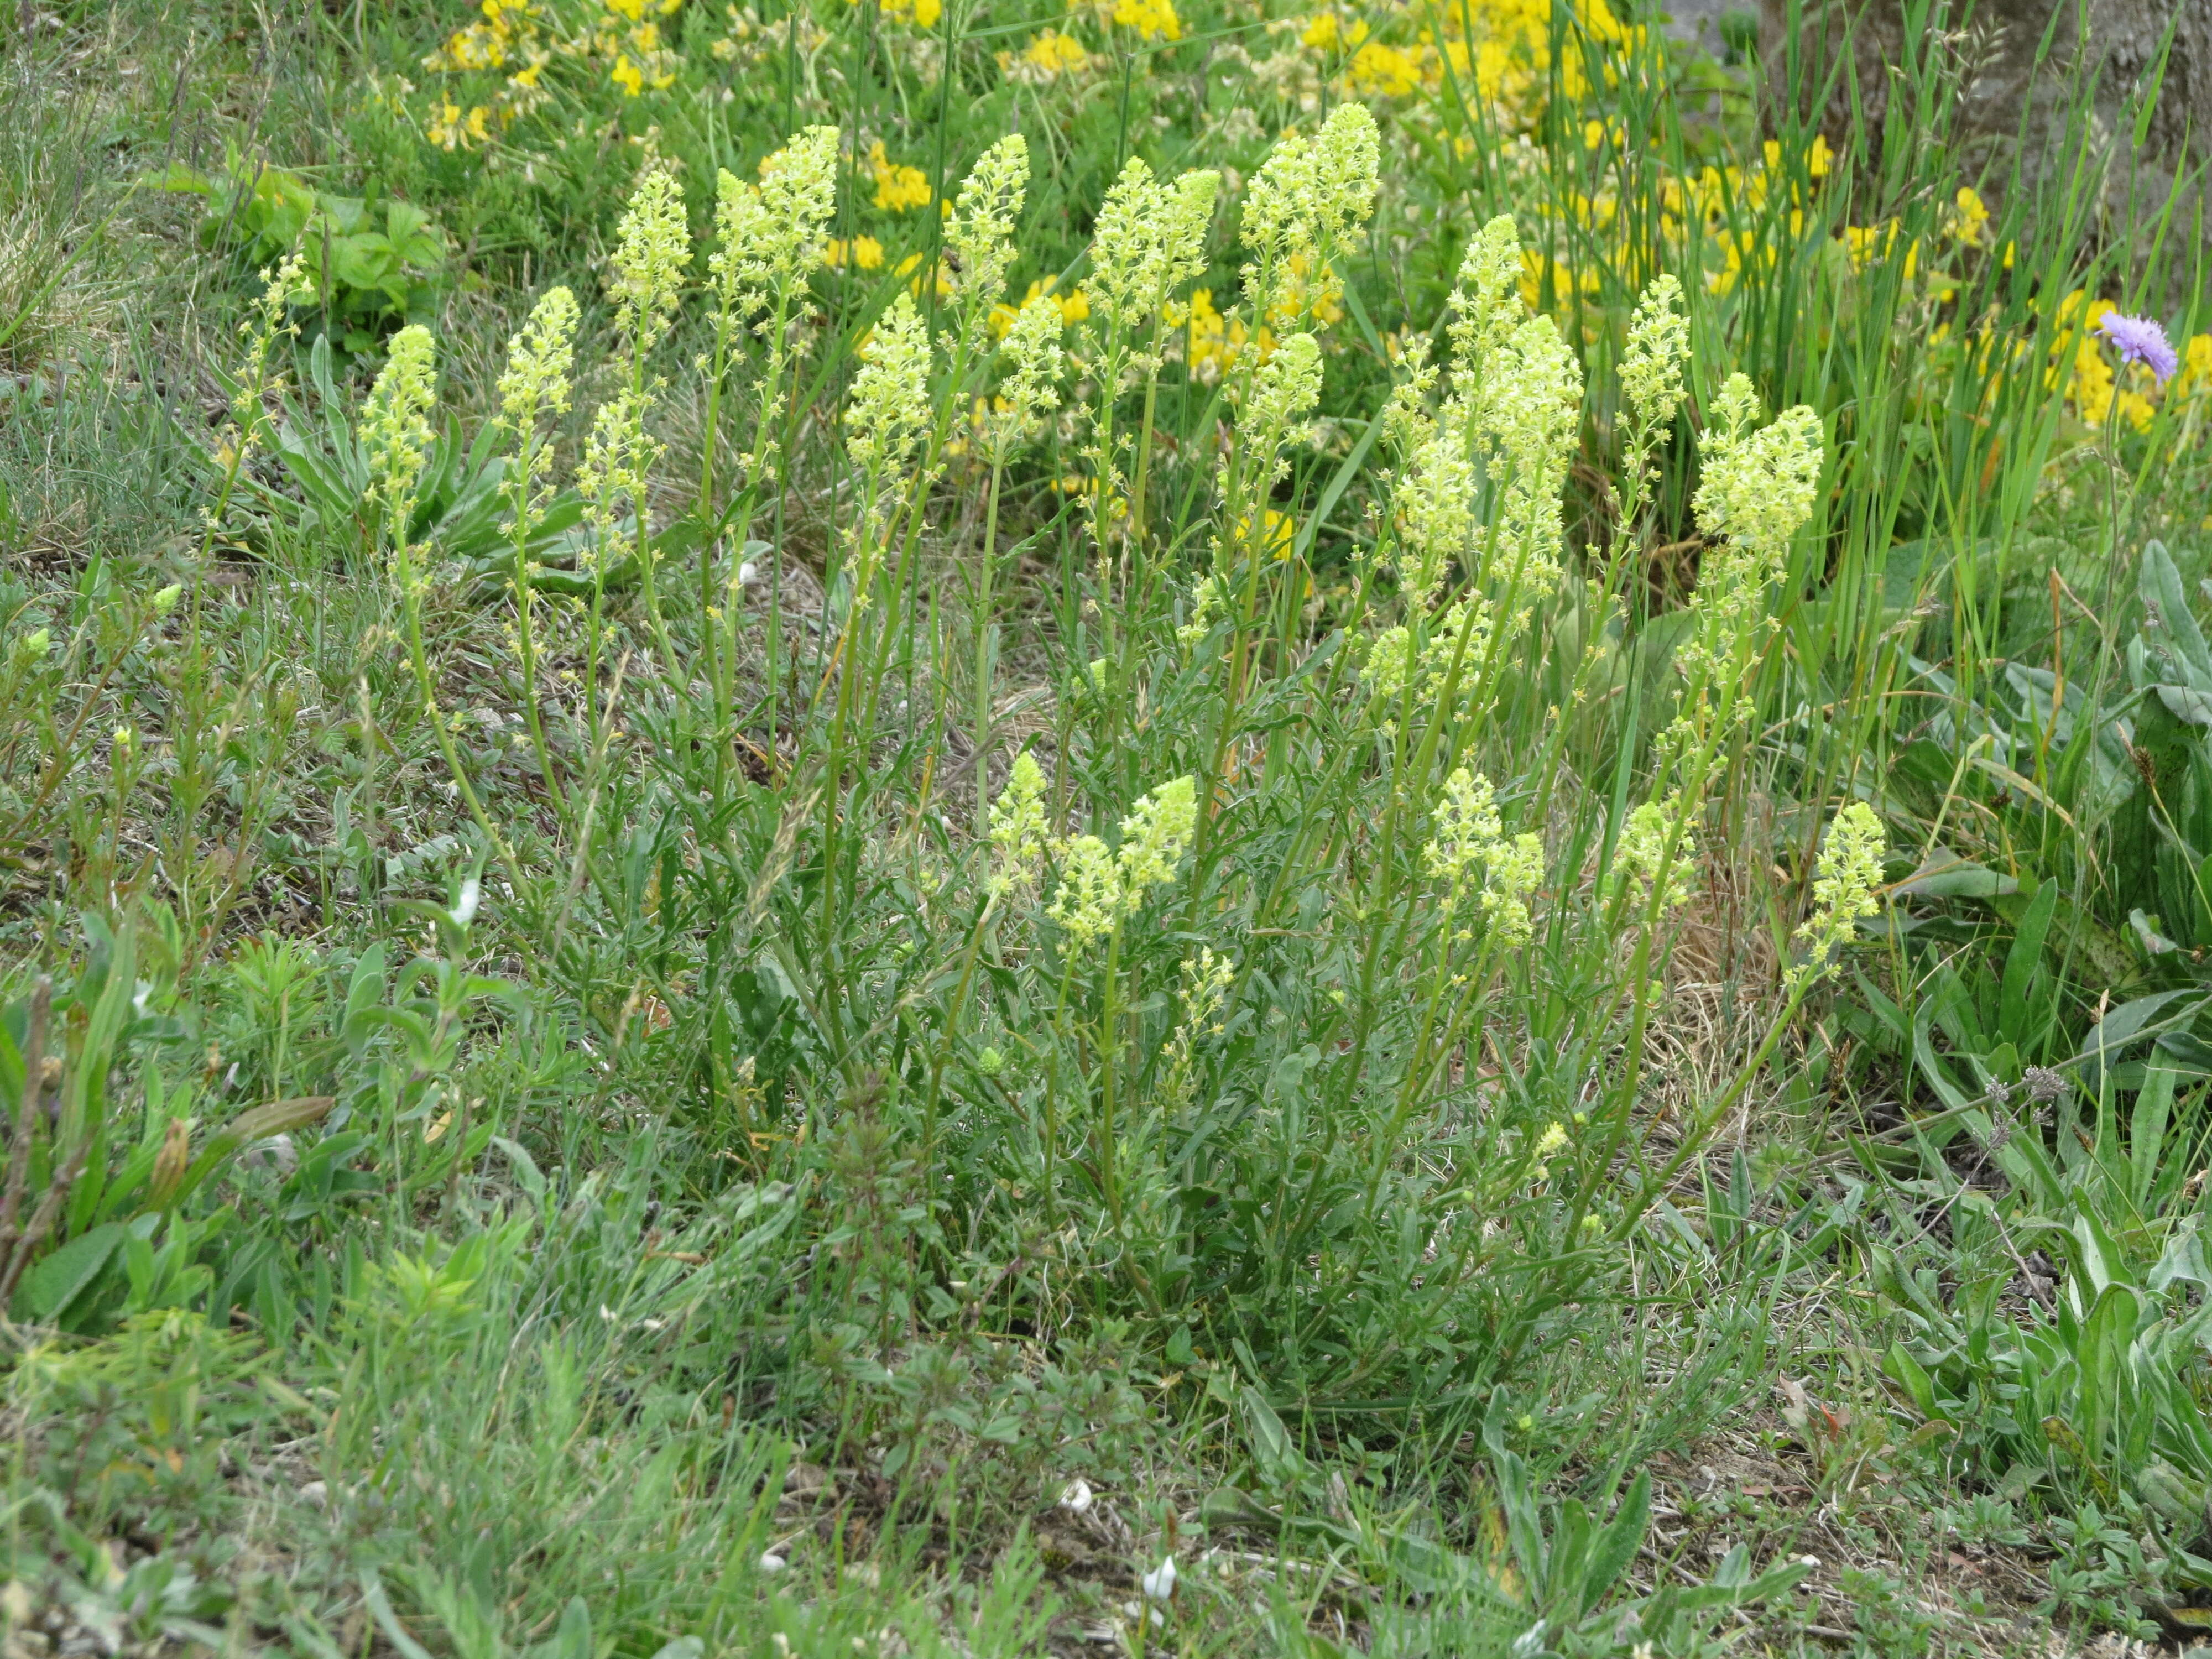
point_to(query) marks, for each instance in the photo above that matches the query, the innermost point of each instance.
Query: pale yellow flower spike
(619, 457)
(1658, 347)
(1469, 838)
(652, 250)
(1097, 888)
(1017, 826)
(1643, 848)
(770, 234)
(395, 425)
(1030, 390)
(1089, 898)
(981, 232)
(889, 408)
(1844, 887)
(1154, 837)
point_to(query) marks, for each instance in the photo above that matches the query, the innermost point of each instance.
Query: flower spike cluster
(618, 458)
(1641, 861)
(1018, 827)
(1098, 887)
(1530, 419)
(1309, 198)
(1658, 347)
(1031, 388)
(1469, 839)
(770, 235)
(1151, 238)
(1758, 490)
(533, 388)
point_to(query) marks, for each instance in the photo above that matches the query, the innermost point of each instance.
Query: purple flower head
(2140, 340)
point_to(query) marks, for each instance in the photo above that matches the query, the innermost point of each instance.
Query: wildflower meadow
(1172, 827)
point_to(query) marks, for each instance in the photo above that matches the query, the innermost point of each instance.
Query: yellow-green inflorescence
(1469, 850)
(770, 235)
(1846, 881)
(535, 389)
(1029, 388)
(1098, 887)
(395, 423)
(652, 250)
(1304, 205)
(888, 408)
(1150, 238)
(980, 233)
(1018, 836)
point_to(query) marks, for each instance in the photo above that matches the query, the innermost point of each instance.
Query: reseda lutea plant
(1301, 981)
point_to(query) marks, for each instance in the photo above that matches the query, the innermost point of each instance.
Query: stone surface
(2007, 93)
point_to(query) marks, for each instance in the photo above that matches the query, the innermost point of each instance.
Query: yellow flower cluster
(1045, 58)
(1372, 68)
(864, 252)
(1152, 19)
(1845, 888)
(1469, 838)
(898, 187)
(1073, 307)
(1098, 887)
(2080, 364)
(623, 40)
(922, 14)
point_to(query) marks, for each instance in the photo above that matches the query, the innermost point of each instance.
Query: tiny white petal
(771, 1562)
(1160, 1581)
(1075, 1497)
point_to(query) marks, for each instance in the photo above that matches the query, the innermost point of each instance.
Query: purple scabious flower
(2140, 340)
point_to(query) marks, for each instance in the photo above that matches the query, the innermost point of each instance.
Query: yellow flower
(1153, 20)
(865, 252)
(1868, 243)
(627, 75)
(1276, 537)
(1073, 306)
(1324, 33)
(923, 14)
(897, 187)
(909, 267)
(2195, 364)
(1386, 71)
(1972, 219)
(449, 129)
(1056, 53)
